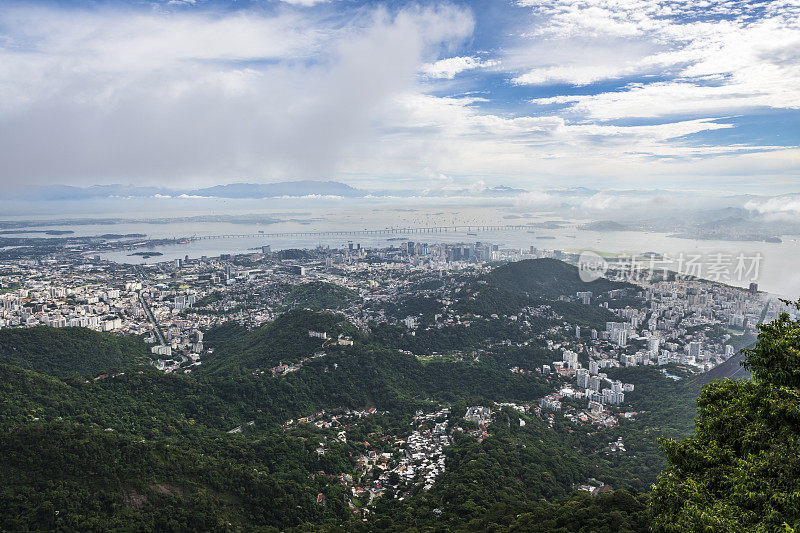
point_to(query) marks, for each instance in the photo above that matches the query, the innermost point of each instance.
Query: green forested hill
(320, 295)
(69, 351)
(285, 339)
(548, 278)
(65, 476)
(151, 451)
(534, 282)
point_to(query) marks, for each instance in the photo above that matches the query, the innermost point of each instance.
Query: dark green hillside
(227, 331)
(740, 471)
(69, 351)
(548, 278)
(284, 340)
(730, 369)
(150, 451)
(61, 476)
(509, 288)
(491, 485)
(319, 296)
(619, 511)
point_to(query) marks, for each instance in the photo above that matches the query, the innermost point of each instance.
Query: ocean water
(772, 265)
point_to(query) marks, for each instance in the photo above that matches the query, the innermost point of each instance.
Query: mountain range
(232, 190)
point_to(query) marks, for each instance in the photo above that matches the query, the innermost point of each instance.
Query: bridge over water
(384, 231)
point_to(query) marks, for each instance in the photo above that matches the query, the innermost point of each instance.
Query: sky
(610, 94)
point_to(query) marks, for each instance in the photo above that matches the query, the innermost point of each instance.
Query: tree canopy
(740, 471)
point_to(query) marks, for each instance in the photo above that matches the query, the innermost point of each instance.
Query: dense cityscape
(333, 266)
(681, 325)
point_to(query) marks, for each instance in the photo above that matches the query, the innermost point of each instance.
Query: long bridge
(384, 231)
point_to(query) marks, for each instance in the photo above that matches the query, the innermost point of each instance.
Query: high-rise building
(695, 349)
(653, 344)
(571, 358)
(582, 375)
(622, 337)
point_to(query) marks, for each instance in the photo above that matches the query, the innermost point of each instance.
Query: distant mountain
(499, 190)
(68, 192)
(233, 190)
(284, 188)
(244, 190)
(502, 189)
(604, 225)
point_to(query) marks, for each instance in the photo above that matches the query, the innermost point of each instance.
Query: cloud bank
(608, 93)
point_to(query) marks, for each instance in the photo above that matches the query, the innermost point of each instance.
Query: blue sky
(610, 94)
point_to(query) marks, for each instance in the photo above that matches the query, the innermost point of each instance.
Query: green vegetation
(146, 255)
(65, 476)
(209, 299)
(70, 351)
(286, 339)
(619, 511)
(548, 278)
(740, 471)
(319, 296)
(150, 451)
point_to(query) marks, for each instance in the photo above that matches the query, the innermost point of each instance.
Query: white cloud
(131, 95)
(448, 68)
(110, 95)
(534, 199)
(574, 75)
(718, 57)
(305, 3)
(776, 208)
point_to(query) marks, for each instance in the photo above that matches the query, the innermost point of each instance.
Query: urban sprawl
(685, 324)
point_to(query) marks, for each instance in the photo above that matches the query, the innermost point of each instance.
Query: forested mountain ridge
(70, 351)
(286, 339)
(548, 278)
(739, 472)
(320, 296)
(234, 446)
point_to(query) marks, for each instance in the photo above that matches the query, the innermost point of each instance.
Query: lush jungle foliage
(141, 450)
(549, 278)
(70, 351)
(741, 469)
(320, 295)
